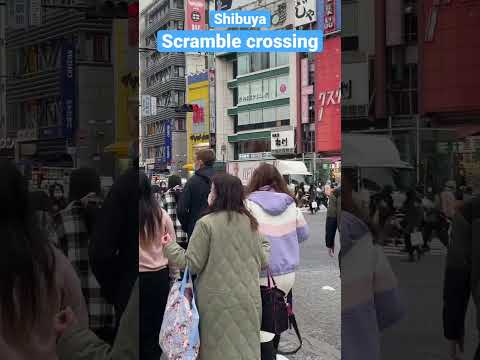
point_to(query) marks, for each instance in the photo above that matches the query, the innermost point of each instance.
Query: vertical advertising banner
(332, 16)
(198, 123)
(195, 15)
(68, 88)
(168, 141)
(328, 96)
(305, 12)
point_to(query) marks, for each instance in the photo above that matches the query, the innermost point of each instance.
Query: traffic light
(108, 9)
(193, 108)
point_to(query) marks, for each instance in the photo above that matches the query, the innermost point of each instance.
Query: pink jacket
(150, 257)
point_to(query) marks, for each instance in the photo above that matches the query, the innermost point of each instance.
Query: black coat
(114, 248)
(194, 199)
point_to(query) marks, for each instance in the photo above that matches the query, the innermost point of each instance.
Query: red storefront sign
(328, 96)
(195, 15)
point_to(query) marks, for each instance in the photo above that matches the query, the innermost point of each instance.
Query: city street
(421, 332)
(317, 309)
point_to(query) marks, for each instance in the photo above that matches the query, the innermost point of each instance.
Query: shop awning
(370, 151)
(119, 149)
(289, 167)
(262, 135)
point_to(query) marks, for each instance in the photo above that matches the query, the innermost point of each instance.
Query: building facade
(401, 89)
(162, 76)
(59, 97)
(255, 95)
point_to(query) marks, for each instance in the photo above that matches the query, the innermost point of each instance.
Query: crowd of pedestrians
(90, 278)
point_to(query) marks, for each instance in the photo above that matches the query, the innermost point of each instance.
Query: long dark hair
(27, 262)
(84, 181)
(268, 175)
(149, 212)
(230, 197)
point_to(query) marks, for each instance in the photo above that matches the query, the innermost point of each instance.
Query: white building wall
(224, 98)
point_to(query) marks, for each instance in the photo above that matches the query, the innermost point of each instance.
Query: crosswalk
(436, 249)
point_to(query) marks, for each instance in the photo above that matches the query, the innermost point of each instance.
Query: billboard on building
(328, 96)
(232, 4)
(198, 123)
(281, 15)
(195, 15)
(305, 12)
(332, 16)
(283, 142)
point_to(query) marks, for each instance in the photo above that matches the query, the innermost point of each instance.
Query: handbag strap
(186, 279)
(270, 277)
(293, 323)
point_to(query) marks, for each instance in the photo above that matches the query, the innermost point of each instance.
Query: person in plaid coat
(74, 228)
(169, 204)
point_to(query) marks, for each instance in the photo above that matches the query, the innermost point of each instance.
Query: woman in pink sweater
(154, 224)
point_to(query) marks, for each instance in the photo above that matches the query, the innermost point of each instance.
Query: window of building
(268, 114)
(178, 25)
(350, 43)
(259, 61)
(178, 4)
(180, 124)
(311, 108)
(256, 117)
(263, 90)
(282, 58)
(411, 27)
(252, 146)
(283, 113)
(243, 64)
(243, 92)
(243, 118)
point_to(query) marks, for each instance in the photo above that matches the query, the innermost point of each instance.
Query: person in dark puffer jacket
(193, 201)
(462, 275)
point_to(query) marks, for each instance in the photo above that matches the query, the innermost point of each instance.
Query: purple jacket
(283, 224)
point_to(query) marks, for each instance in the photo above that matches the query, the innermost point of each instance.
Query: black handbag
(274, 308)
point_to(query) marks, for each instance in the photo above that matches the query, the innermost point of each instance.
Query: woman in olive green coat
(226, 252)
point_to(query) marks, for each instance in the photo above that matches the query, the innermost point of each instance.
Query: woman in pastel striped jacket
(282, 223)
(370, 297)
